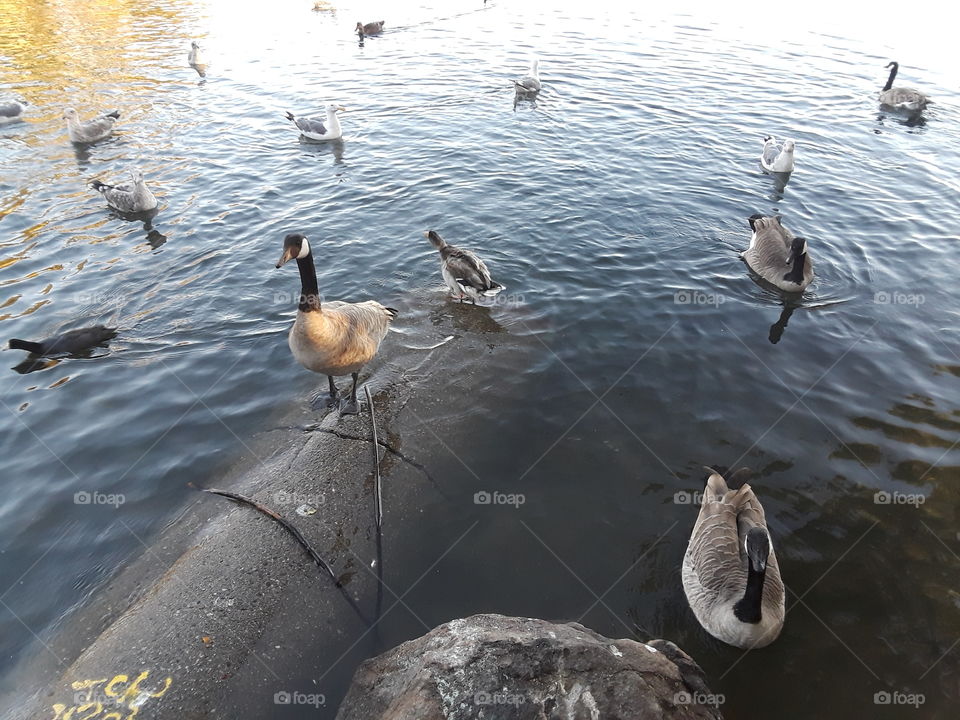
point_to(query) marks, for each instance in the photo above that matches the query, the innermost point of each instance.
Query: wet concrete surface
(224, 614)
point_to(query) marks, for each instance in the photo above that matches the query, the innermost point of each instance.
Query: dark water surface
(612, 208)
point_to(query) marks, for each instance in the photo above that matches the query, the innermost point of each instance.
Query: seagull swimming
(92, 130)
(11, 111)
(314, 128)
(530, 83)
(777, 155)
(129, 198)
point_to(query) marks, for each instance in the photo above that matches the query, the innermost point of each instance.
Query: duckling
(901, 98)
(464, 273)
(92, 130)
(132, 198)
(530, 84)
(777, 256)
(730, 573)
(337, 338)
(68, 343)
(313, 128)
(371, 28)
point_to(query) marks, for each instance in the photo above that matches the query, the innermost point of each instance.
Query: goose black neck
(748, 608)
(796, 272)
(893, 75)
(309, 291)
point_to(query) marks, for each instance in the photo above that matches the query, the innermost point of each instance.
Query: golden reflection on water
(98, 55)
(81, 48)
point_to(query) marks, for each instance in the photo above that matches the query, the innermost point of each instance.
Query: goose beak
(285, 258)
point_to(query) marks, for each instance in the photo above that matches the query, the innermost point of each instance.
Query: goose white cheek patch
(304, 250)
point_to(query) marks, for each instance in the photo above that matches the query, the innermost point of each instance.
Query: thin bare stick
(377, 494)
(378, 508)
(286, 525)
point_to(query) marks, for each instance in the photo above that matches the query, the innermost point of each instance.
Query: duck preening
(464, 273)
(11, 111)
(131, 197)
(529, 83)
(777, 155)
(371, 28)
(68, 343)
(901, 98)
(730, 573)
(92, 130)
(314, 128)
(777, 255)
(333, 338)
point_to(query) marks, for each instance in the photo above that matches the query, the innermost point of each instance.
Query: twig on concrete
(289, 527)
(377, 506)
(377, 494)
(344, 436)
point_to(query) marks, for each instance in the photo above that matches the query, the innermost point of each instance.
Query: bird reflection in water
(776, 330)
(780, 180)
(155, 238)
(473, 319)
(320, 148)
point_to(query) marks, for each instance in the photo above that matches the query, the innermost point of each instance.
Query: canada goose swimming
(463, 272)
(371, 28)
(134, 197)
(338, 338)
(901, 98)
(314, 128)
(777, 155)
(730, 573)
(777, 256)
(92, 130)
(530, 83)
(74, 341)
(11, 111)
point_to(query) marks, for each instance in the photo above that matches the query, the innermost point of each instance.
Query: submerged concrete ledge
(224, 614)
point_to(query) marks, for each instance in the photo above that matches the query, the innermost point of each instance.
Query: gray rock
(493, 667)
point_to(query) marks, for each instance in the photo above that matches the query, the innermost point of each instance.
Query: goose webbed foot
(326, 401)
(329, 400)
(350, 406)
(333, 400)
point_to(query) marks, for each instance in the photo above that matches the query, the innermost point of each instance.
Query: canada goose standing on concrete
(335, 338)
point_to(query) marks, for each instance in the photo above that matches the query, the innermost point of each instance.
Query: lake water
(613, 209)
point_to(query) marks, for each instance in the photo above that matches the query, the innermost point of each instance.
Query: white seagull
(530, 83)
(777, 155)
(314, 128)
